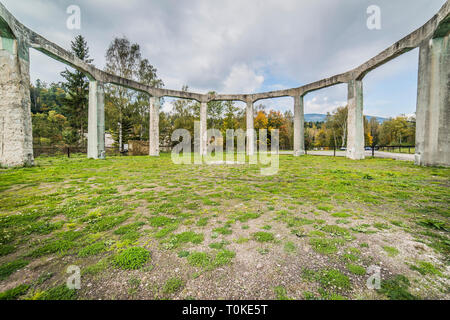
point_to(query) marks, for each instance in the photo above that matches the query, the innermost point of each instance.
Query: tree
(337, 123)
(126, 108)
(48, 128)
(374, 131)
(397, 131)
(76, 104)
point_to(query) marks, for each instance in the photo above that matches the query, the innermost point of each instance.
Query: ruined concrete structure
(433, 100)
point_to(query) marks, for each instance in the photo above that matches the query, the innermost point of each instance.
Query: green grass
(9, 268)
(325, 246)
(424, 268)
(333, 278)
(396, 288)
(355, 269)
(58, 293)
(132, 258)
(263, 236)
(391, 251)
(281, 293)
(290, 247)
(92, 249)
(199, 259)
(91, 212)
(179, 239)
(14, 293)
(173, 285)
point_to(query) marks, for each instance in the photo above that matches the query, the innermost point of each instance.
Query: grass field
(145, 228)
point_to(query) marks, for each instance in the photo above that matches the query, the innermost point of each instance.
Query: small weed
(290, 247)
(424, 268)
(341, 215)
(223, 230)
(10, 267)
(355, 269)
(263, 236)
(92, 249)
(391, 251)
(281, 293)
(173, 285)
(132, 258)
(58, 293)
(15, 293)
(199, 259)
(183, 254)
(324, 246)
(397, 288)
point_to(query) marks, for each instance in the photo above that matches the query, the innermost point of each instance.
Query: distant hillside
(317, 117)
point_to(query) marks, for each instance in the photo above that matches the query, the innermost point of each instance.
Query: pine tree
(77, 85)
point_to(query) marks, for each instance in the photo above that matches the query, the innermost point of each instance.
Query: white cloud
(323, 106)
(232, 46)
(242, 79)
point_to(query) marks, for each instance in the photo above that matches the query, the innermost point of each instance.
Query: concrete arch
(432, 38)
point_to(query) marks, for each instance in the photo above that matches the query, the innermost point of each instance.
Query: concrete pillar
(299, 126)
(155, 104)
(96, 121)
(433, 104)
(16, 134)
(355, 121)
(203, 128)
(250, 129)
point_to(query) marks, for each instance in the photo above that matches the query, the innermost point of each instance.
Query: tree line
(60, 110)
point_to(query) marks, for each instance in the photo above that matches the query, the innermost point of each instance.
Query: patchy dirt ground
(145, 228)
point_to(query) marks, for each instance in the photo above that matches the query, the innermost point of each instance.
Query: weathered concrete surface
(299, 126)
(155, 104)
(433, 104)
(355, 120)
(203, 128)
(250, 133)
(16, 135)
(96, 121)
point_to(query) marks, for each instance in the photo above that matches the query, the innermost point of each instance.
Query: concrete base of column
(96, 121)
(16, 134)
(154, 126)
(433, 104)
(355, 137)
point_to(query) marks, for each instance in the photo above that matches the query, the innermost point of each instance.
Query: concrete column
(203, 128)
(433, 104)
(16, 134)
(155, 104)
(299, 126)
(250, 129)
(96, 121)
(355, 123)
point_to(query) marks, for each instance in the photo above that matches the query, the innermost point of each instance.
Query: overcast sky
(236, 46)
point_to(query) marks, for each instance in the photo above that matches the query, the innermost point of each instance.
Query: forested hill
(317, 117)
